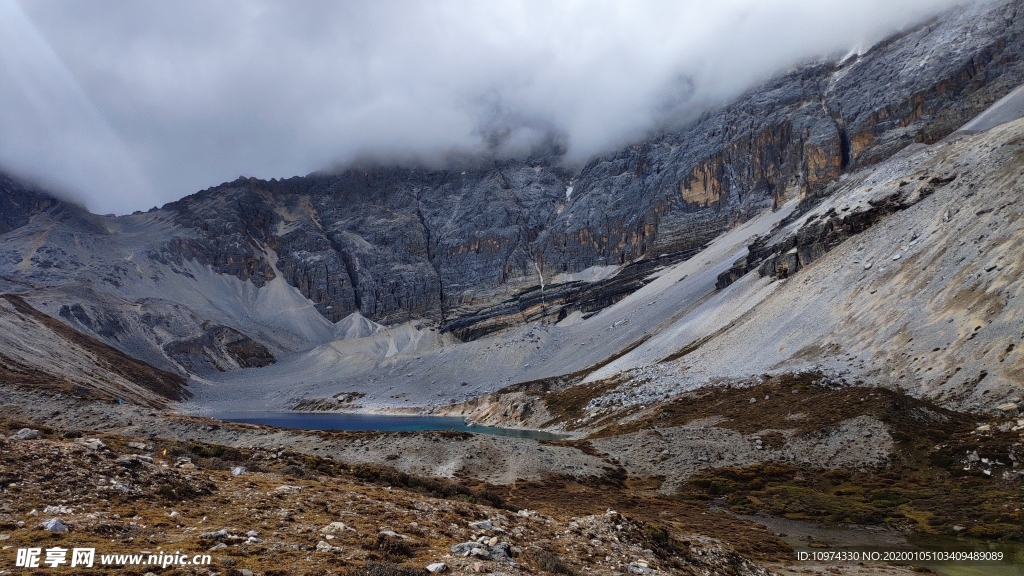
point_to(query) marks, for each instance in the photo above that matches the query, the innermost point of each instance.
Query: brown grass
(801, 402)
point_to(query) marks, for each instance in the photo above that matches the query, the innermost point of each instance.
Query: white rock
(437, 567)
(482, 525)
(55, 525)
(238, 471)
(27, 434)
(323, 546)
(91, 443)
(334, 527)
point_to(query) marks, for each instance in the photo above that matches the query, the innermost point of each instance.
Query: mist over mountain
(133, 105)
(661, 288)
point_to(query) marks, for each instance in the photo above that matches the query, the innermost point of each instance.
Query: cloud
(137, 103)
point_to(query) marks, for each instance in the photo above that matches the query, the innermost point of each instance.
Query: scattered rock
(637, 568)
(466, 547)
(27, 434)
(55, 525)
(323, 546)
(91, 443)
(218, 535)
(133, 460)
(120, 487)
(485, 525)
(335, 527)
(501, 552)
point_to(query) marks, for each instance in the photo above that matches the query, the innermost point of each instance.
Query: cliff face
(393, 244)
(461, 246)
(477, 248)
(19, 202)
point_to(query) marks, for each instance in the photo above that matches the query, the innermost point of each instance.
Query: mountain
(42, 354)
(378, 278)
(791, 323)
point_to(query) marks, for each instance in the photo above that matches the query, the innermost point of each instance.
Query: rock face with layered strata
(485, 244)
(461, 245)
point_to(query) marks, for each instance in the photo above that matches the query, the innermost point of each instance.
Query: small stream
(374, 422)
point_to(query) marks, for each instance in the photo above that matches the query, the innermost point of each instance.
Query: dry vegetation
(123, 495)
(946, 475)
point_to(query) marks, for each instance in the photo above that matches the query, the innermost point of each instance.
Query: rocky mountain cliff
(488, 244)
(451, 245)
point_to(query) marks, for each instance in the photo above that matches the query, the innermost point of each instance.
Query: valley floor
(164, 481)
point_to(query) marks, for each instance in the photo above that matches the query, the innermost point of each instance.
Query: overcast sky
(127, 105)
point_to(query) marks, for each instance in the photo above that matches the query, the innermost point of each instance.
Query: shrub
(549, 562)
(386, 569)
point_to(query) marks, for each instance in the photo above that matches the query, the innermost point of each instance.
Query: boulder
(27, 434)
(55, 525)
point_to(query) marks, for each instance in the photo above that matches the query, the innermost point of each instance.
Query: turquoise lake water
(374, 422)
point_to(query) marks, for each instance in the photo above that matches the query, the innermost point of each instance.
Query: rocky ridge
(488, 244)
